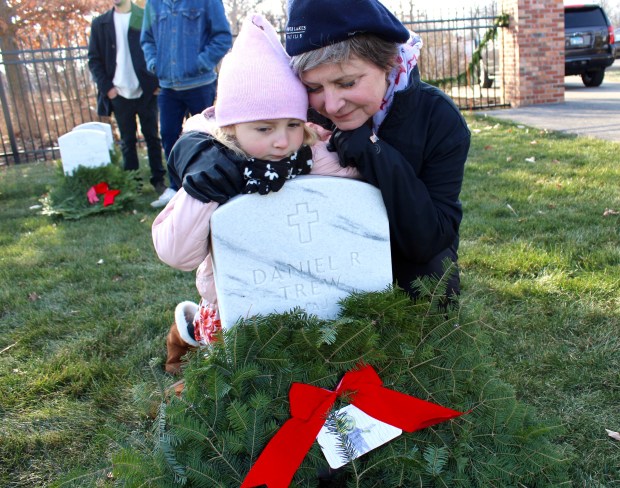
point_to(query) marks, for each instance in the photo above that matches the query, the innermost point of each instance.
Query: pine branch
(337, 425)
(236, 398)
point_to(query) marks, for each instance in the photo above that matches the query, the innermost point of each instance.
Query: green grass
(85, 305)
(541, 265)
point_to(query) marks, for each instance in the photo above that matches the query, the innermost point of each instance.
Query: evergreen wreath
(236, 398)
(66, 197)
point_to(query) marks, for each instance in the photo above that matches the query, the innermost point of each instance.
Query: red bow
(101, 189)
(281, 458)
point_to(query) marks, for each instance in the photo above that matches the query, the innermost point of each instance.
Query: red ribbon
(101, 189)
(283, 455)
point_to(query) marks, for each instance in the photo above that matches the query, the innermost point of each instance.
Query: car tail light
(612, 37)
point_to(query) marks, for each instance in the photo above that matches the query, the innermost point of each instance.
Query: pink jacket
(181, 230)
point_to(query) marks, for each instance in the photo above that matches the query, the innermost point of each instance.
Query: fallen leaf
(555, 161)
(8, 347)
(512, 209)
(609, 211)
(486, 148)
(33, 297)
(613, 435)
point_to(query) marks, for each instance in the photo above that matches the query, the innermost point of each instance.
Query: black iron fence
(461, 55)
(45, 91)
(46, 88)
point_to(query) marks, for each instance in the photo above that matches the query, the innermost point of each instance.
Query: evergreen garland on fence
(235, 400)
(473, 66)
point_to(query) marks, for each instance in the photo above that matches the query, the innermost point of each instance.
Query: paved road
(593, 112)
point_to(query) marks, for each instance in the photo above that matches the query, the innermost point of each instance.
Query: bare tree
(19, 24)
(406, 10)
(612, 9)
(236, 10)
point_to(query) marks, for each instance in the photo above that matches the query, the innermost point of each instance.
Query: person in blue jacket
(407, 138)
(124, 85)
(183, 42)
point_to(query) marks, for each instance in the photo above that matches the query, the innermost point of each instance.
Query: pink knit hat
(255, 80)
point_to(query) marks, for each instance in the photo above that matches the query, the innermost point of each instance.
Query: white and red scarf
(408, 54)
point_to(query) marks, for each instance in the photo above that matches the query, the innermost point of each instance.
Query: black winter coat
(418, 164)
(102, 57)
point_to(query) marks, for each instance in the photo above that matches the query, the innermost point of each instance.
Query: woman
(359, 64)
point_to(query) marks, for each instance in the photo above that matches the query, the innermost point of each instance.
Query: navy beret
(313, 24)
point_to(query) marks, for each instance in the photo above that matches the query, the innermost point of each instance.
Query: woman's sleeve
(181, 231)
(423, 208)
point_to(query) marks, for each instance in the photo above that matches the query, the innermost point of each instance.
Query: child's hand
(322, 132)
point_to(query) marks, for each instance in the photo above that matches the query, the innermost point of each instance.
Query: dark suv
(589, 46)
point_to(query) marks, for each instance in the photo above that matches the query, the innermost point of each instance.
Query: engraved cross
(303, 218)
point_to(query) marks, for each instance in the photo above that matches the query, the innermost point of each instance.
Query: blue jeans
(174, 106)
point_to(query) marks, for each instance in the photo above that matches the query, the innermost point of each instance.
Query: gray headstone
(106, 128)
(85, 147)
(308, 245)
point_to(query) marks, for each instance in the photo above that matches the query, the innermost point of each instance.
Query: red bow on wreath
(282, 456)
(101, 189)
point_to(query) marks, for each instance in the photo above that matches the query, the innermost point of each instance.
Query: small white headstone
(85, 147)
(107, 128)
(308, 245)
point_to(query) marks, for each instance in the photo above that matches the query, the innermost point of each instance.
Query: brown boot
(179, 340)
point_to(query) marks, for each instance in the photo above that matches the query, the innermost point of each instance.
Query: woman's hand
(349, 144)
(213, 181)
(203, 171)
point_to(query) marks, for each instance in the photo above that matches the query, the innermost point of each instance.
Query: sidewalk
(593, 112)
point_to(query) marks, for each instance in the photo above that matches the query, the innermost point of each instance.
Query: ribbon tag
(349, 433)
(310, 406)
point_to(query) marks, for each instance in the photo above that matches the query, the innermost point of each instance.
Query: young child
(252, 140)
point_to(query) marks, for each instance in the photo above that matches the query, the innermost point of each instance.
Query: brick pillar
(533, 51)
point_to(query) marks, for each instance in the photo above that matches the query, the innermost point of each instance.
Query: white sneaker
(164, 198)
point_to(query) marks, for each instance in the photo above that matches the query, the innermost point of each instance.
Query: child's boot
(181, 336)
